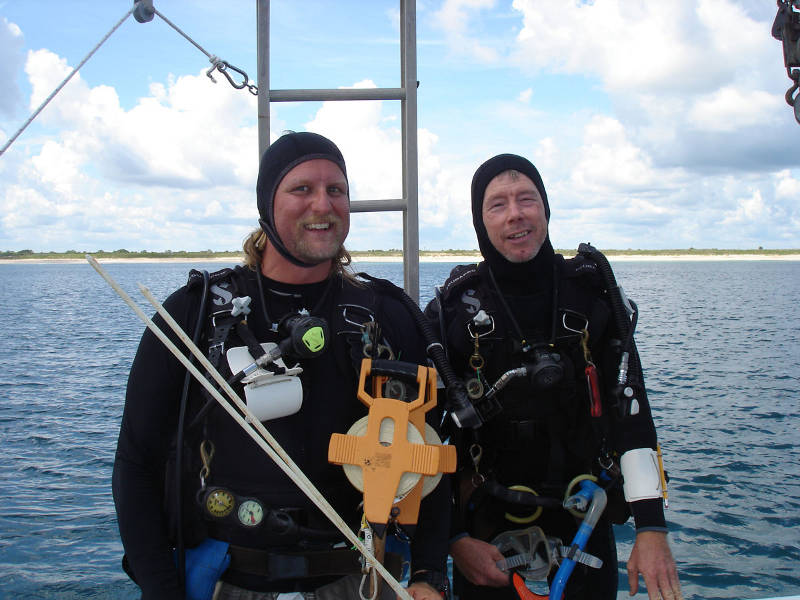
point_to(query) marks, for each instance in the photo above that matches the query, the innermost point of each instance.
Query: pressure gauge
(219, 503)
(250, 513)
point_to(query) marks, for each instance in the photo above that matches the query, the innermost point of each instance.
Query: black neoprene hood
(282, 156)
(488, 171)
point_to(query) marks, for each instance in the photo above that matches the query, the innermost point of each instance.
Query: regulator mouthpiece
(546, 370)
(306, 336)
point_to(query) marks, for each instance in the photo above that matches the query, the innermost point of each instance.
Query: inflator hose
(455, 389)
(179, 546)
(621, 321)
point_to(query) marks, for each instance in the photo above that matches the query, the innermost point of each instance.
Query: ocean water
(720, 342)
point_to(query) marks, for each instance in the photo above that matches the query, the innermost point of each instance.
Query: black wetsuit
(145, 506)
(543, 438)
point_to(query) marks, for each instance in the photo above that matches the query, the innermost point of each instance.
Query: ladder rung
(378, 205)
(322, 95)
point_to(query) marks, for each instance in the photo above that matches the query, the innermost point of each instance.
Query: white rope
(179, 30)
(250, 424)
(63, 83)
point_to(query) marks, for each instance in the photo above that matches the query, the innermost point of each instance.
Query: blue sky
(654, 124)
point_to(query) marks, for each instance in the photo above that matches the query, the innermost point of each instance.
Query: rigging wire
(217, 64)
(63, 83)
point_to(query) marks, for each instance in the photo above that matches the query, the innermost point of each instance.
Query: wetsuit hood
(282, 156)
(501, 267)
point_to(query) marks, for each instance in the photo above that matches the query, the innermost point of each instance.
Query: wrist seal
(641, 474)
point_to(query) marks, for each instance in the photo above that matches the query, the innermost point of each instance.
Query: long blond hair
(255, 245)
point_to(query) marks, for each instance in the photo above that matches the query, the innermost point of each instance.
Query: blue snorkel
(593, 496)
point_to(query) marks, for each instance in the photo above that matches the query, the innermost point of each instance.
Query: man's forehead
(509, 177)
(311, 169)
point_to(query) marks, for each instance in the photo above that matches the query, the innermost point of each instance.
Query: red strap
(522, 590)
(593, 384)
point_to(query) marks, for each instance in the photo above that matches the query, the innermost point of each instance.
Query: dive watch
(435, 579)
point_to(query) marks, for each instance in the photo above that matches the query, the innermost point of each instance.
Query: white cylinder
(274, 397)
(641, 475)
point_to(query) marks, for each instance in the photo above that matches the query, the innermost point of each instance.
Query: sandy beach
(464, 258)
(429, 258)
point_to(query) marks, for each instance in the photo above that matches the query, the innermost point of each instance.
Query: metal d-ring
(575, 315)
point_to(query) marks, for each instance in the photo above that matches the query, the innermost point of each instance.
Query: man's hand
(477, 560)
(652, 558)
(423, 591)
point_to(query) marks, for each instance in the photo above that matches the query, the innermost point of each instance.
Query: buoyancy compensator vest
(204, 499)
(544, 380)
(355, 333)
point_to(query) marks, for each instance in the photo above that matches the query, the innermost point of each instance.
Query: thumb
(633, 580)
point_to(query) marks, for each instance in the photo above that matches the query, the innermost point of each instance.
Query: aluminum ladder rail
(407, 95)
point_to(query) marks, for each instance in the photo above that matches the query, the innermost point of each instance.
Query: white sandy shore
(430, 258)
(464, 258)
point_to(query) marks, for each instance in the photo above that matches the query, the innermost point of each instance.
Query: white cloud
(609, 161)
(546, 156)
(372, 152)
(673, 73)
(370, 139)
(11, 41)
(787, 187)
(454, 19)
(683, 44)
(148, 177)
(184, 133)
(729, 109)
(690, 144)
(177, 170)
(748, 209)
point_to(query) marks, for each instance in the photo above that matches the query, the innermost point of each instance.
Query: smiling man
(540, 329)
(226, 510)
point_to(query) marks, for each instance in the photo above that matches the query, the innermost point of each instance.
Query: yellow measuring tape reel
(393, 470)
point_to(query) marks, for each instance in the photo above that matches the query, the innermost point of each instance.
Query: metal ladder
(407, 95)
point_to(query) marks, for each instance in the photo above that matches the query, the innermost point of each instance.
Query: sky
(655, 125)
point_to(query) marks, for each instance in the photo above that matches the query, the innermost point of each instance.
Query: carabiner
(222, 66)
(344, 307)
(576, 315)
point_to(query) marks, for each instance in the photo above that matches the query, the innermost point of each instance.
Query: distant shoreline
(435, 257)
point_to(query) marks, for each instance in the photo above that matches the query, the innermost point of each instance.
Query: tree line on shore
(199, 254)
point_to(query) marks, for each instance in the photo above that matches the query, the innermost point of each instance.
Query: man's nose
(514, 209)
(321, 201)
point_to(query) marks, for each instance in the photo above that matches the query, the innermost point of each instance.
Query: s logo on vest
(221, 294)
(472, 304)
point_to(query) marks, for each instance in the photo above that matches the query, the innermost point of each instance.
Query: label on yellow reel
(355, 474)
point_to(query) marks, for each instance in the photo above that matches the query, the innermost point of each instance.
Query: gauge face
(250, 513)
(219, 503)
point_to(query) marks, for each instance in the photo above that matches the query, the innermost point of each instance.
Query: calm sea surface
(720, 342)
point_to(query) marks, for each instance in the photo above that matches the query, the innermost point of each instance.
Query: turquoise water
(719, 341)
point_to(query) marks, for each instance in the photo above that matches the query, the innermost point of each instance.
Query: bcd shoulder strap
(222, 289)
(460, 276)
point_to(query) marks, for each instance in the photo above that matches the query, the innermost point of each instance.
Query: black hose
(624, 325)
(457, 399)
(179, 545)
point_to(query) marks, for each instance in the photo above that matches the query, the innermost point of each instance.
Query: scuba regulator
(272, 389)
(305, 336)
(546, 370)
